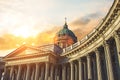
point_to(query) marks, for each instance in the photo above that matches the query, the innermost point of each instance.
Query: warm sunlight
(36, 22)
(24, 32)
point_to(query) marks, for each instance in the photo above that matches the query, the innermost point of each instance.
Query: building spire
(65, 20)
(65, 25)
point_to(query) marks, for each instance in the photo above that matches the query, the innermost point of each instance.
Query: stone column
(0, 74)
(64, 72)
(42, 73)
(33, 73)
(11, 72)
(94, 68)
(80, 69)
(56, 72)
(19, 72)
(28, 72)
(6, 74)
(76, 71)
(52, 72)
(89, 67)
(72, 70)
(37, 69)
(85, 70)
(117, 40)
(46, 70)
(108, 61)
(98, 61)
(24, 73)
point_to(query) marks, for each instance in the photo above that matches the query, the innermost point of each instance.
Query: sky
(36, 22)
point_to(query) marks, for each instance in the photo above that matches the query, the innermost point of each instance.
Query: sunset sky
(35, 22)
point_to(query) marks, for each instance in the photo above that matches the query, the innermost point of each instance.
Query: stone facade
(95, 57)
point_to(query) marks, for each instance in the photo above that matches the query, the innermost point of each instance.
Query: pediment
(22, 51)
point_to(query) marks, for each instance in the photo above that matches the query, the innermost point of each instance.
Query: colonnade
(37, 71)
(100, 64)
(103, 63)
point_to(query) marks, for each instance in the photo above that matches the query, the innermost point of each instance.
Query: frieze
(26, 61)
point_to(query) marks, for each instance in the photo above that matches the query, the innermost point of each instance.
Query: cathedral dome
(65, 37)
(66, 31)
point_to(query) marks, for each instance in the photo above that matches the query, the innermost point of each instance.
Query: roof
(67, 31)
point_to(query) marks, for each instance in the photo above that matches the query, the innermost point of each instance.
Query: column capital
(88, 56)
(97, 50)
(106, 43)
(37, 63)
(72, 62)
(28, 64)
(117, 33)
(79, 60)
(64, 64)
(20, 65)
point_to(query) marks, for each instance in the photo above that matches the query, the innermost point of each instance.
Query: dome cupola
(65, 37)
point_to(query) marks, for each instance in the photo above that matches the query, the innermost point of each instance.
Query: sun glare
(24, 32)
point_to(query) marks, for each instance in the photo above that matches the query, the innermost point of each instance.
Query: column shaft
(37, 71)
(85, 70)
(24, 74)
(80, 69)
(6, 74)
(28, 72)
(98, 61)
(56, 72)
(0, 74)
(63, 72)
(76, 71)
(89, 67)
(52, 71)
(108, 61)
(117, 40)
(94, 70)
(42, 73)
(46, 70)
(19, 72)
(72, 70)
(11, 72)
(33, 74)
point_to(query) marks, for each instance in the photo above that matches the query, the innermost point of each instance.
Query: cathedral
(95, 57)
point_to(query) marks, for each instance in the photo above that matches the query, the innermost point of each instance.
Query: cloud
(86, 19)
(81, 27)
(10, 41)
(80, 21)
(93, 15)
(84, 25)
